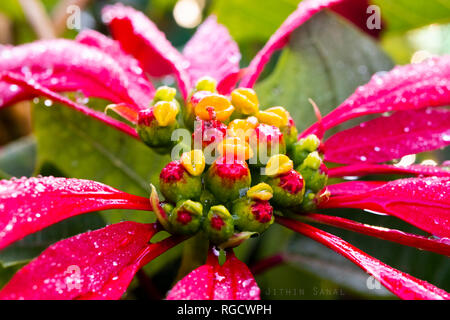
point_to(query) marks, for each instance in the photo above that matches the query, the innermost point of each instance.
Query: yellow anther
(234, 146)
(275, 116)
(165, 113)
(245, 100)
(214, 106)
(242, 128)
(193, 161)
(262, 191)
(278, 164)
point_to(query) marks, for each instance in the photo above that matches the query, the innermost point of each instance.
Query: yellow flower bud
(165, 93)
(262, 191)
(194, 162)
(242, 128)
(275, 116)
(245, 101)
(235, 146)
(165, 113)
(206, 84)
(214, 106)
(278, 164)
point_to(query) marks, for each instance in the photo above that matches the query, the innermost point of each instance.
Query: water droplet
(13, 88)
(446, 137)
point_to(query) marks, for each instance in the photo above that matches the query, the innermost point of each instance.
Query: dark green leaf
(326, 60)
(84, 148)
(18, 158)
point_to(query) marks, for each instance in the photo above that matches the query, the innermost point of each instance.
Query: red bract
(413, 86)
(366, 169)
(402, 284)
(107, 259)
(419, 131)
(29, 205)
(407, 199)
(212, 281)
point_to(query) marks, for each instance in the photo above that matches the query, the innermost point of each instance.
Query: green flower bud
(288, 189)
(155, 125)
(206, 84)
(311, 200)
(164, 93)
(314, 172)
(218, 224)
(186, 217)
(227, 179)
(252, 214)
(303, 147)
(176, 183)
(290, 134)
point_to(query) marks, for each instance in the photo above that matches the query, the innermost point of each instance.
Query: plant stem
(194, 254)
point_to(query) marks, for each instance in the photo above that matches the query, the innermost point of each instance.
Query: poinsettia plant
(245, 169)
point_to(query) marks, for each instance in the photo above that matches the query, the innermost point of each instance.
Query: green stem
(195, 251)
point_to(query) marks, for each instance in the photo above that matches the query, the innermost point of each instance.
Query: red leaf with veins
(64, 65)
(140, 88)
(353, 187)
(369, 169)
(141, 38)
(387, 138)
(412, 86)
(401, 284)
(98, 264)
(212, 52)
(32, 87)
(31, 204)
(422, 202)
(231, 281)
(306, 9)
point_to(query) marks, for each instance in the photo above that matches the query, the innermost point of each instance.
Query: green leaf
(84, 148)
(326, 60)
(252, 19)
(18, 158)
(403, 15)
(7, 273)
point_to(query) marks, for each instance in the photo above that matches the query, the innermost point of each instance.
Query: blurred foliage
(403, 15)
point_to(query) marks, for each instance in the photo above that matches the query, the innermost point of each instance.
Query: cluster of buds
(156, 124)
(218, 201)
(243, 163)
